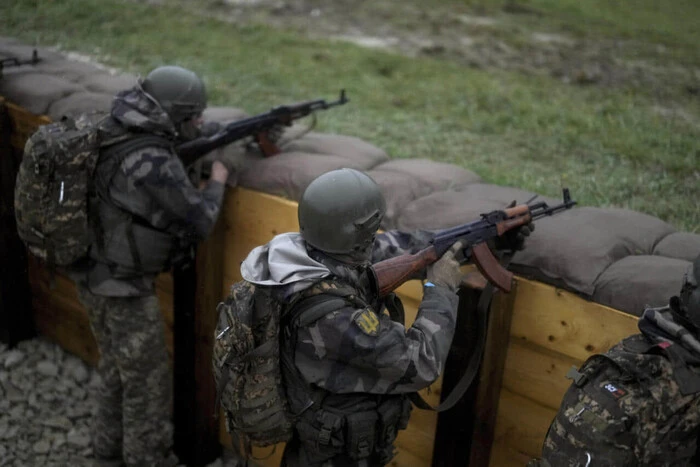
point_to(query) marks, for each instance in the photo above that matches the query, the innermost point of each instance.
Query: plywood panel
(503, 455)
(24, 123)
(251, 219)
(565, 323)
(521, 424)
(537, 373)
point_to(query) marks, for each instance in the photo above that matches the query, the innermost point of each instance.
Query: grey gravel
(45, 409)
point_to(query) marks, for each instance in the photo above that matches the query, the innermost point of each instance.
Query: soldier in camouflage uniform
(147, 213)
(639, 403)
(348, 367)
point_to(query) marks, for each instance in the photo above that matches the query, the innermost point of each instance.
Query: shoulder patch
(368, 322)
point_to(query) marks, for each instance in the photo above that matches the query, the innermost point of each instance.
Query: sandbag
(80, 102)
(638, 282)
(35, 91)
(576, 246)
(681, 245)
(449, 208)
(289, 173)
(348, 147)
(108, 83)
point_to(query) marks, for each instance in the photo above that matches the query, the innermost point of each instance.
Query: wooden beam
(15, 297)
(197, 290)
(491, 376)
(565, 323)
(455, 427)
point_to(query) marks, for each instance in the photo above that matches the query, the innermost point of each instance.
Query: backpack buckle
(329, 423)
(578, 378)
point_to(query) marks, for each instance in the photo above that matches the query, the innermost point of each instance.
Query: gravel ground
(45, 409)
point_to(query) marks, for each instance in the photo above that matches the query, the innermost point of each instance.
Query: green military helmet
(179, 91)
(340, 212)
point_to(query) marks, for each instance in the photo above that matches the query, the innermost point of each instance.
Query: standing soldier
(639, 403)
(148, 215)
(347, 367)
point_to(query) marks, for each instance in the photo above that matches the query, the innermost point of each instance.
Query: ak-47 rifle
(257, 126)
(14, 61)
(393, 272)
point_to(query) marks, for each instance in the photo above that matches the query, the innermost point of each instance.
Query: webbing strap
(482, 312)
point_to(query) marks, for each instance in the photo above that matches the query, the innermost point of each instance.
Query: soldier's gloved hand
(514, 239)
(445, 271)
(219, 172)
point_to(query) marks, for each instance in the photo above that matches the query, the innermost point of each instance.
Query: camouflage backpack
(247, 360)
(637, 404)
(55, 181)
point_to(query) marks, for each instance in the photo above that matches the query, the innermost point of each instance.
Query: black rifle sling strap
(482, 313)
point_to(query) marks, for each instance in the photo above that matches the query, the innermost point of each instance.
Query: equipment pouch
(361, 433)
(389, 417)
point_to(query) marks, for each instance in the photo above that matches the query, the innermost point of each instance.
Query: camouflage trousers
(134, 396)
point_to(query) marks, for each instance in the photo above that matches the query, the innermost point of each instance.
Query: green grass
(611, 147)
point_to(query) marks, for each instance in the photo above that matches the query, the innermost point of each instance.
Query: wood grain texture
(521, 424)
(565, 323)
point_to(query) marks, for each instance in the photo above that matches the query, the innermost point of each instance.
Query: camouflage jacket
(636, 405)
(146, 191)
(353, 362)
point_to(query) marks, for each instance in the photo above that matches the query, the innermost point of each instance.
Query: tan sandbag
(635, 282)
(681, 245)
(108, 83)
(449, 208)
(224, 114)
(437, 175)
(576, 246)
(403, 181)
(71, 70)
(80, 102)
(348, 147)
(289, 173)
(34, 91)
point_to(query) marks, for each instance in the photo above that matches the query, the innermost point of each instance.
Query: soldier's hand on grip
(514, 239)
(445, 271)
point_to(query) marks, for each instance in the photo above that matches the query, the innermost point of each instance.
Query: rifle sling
(482, 313)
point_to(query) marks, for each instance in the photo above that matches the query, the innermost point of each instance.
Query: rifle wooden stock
(393, 272)
(508, 224)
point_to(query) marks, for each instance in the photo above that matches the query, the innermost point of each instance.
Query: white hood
(283, 261)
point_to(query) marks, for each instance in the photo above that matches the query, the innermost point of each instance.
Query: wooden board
(565, 323)
(24, 123)
(537, 373)
(521, 425)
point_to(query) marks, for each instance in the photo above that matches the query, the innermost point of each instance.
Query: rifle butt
(393, 272)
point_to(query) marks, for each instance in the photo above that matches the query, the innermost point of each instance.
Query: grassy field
(619, 145)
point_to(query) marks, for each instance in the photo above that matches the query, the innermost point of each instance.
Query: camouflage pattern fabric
(148, 193)
(636, 405)
(132, 420)
(246, 367)
(54, 179)
(351, 365)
